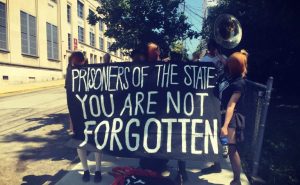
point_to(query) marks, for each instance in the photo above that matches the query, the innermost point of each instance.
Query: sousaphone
(227, 31)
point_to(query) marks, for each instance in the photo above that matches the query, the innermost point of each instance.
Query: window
(101, 26)
(28, 34)
(80, 34)
(52, 42)
(91, 12)
(69, 41)
(69, 13)
(95, 59)
(80, 9)
(101, 43)
(3, 33)
(101, 59)
(91, 59)
(108, 46)
(92, 39)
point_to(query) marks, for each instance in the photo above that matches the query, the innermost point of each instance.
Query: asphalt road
(33, 133)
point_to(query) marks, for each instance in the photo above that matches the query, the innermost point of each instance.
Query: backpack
(135, 176)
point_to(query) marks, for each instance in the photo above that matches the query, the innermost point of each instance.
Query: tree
(271, 36)
(135, 22)
(178, 47)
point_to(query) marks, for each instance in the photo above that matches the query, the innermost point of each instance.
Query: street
(33, 133)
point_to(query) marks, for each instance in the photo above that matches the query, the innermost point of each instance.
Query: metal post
(264, 114)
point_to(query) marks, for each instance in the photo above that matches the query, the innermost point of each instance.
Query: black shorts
(232, 123)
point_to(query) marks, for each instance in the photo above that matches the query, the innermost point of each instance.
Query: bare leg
(98, 176)
(70, 124)
(234, 156)
(98, 156)
(235, 162)
(83, 158)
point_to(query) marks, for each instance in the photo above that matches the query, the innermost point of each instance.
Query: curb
(5, 93)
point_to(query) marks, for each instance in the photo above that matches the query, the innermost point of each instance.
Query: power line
(193, 17)
(188, 8)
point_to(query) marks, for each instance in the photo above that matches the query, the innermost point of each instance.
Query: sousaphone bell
(227, 31)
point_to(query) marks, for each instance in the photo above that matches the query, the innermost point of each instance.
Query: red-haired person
(232, 90)
(153, 52)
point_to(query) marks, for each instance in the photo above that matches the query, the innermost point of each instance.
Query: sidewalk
(10, 89)
(193, 168)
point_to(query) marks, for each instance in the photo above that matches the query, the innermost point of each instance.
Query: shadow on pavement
(42, 179)
(51, 142)
(33, 150)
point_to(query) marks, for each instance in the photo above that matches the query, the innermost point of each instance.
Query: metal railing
(255, 109)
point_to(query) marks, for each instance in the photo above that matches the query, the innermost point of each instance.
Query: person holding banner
(138, 56)
(106, 58)
(231, 90)
(77, 59)
(153, 55)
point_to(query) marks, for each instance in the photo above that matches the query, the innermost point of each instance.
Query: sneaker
(98, 176)
(215, 168)
(86, 176)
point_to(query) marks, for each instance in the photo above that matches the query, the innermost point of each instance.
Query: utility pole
(183, 40)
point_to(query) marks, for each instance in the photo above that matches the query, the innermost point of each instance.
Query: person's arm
(229, 112)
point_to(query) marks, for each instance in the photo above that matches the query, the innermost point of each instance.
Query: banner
(159, 110)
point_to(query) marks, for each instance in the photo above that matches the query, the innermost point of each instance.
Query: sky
(193, 11)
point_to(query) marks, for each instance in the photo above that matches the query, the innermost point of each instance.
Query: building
(37, 37)
(207, 4)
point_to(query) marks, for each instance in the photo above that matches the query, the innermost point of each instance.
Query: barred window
(101, 43)
(92, 39)
(80, 34)
(69, 41)
(69, 13)
(3, 32)
(52, 42)
(28, 34)
(80, 9)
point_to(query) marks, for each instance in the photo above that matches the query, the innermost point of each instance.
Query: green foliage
(201, 46)
(178, 47)
(271, 36)
(136, 22)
